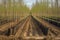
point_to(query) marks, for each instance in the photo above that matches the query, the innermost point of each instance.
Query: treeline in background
(47, 8)
(14, 8)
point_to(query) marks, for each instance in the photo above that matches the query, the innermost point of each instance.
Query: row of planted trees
(47, 8)
(13, 8)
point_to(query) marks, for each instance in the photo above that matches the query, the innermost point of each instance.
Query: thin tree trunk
(4, 4)
(56, 5)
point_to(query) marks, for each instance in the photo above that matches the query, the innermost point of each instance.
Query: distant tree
(4, 5)
(56, 5)
(20, 2)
